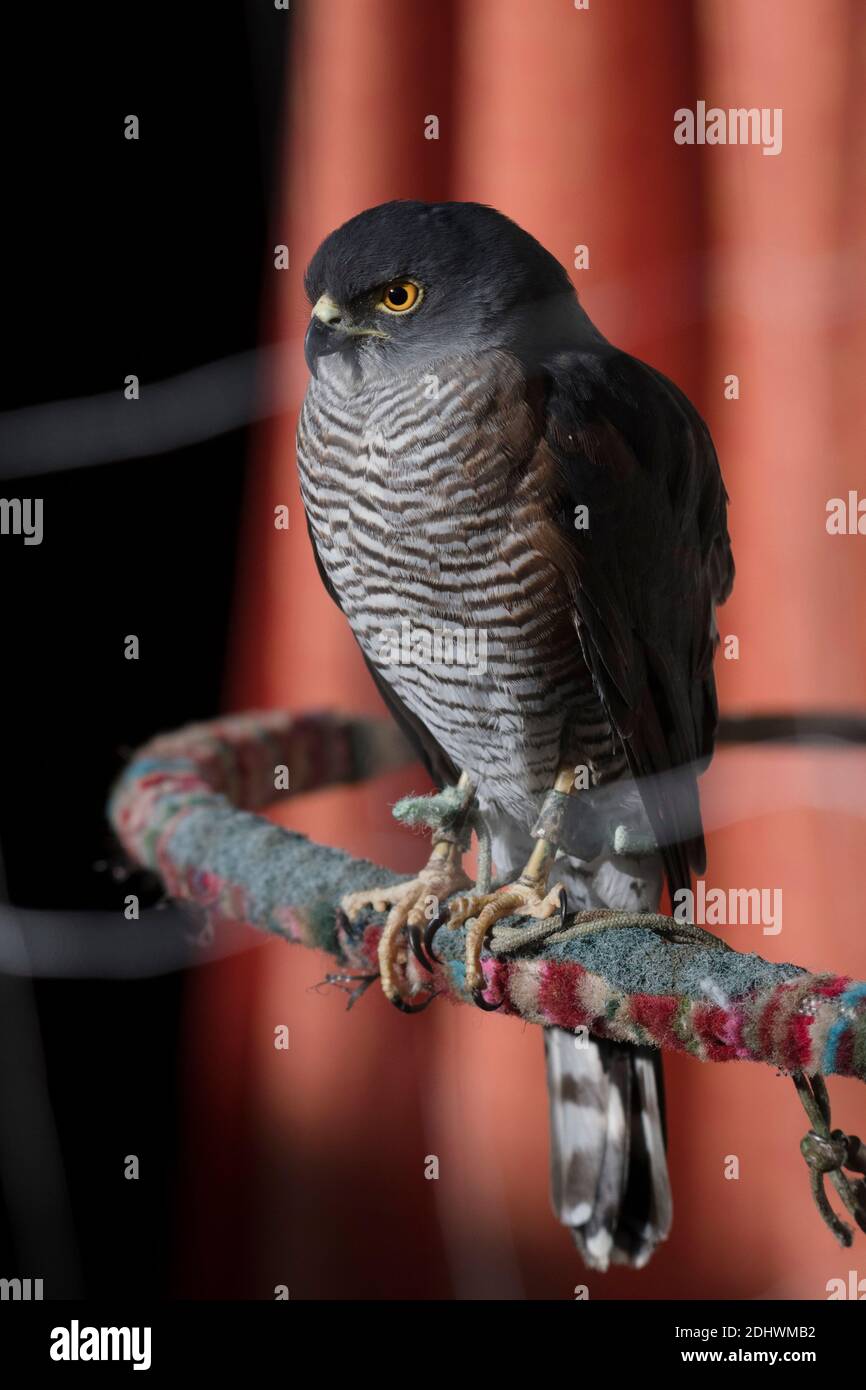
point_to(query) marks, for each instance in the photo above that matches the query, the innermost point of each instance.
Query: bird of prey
(477, 459)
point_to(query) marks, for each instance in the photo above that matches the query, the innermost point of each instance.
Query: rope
(182, 808)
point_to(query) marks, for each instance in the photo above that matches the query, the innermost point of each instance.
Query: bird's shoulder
(624, 435)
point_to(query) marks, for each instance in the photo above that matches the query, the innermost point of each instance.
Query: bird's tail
(608, 1167)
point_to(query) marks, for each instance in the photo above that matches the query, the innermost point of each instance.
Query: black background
(119, 257)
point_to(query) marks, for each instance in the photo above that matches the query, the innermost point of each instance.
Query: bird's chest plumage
(410, 492)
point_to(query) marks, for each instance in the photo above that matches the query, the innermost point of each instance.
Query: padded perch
(183, 808)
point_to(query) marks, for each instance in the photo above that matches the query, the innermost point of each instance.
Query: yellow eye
(400, 296)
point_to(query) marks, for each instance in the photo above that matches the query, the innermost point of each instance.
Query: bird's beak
(327, 310)
(329, 331)
(326, 331)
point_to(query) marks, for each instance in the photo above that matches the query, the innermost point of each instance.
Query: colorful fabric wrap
(183, 808)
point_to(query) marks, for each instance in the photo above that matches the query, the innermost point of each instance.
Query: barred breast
(420, 494)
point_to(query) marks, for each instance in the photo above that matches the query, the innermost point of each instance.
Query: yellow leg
(410, 905)
(527, 897)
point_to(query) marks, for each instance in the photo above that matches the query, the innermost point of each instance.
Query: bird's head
(405, 284)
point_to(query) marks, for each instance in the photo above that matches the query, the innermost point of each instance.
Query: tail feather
(609, 1179)
(608, 1170)
(647, 1209)
(596, 1239)
(578, 1125)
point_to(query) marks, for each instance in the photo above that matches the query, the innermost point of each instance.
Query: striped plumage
(421, 508)
(443, 456)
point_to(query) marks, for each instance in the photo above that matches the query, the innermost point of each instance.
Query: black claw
(563, 906)
(478, 998)
(413, 1008)
(429, 932)
(354, 930)
(418, 948)
(344, 982)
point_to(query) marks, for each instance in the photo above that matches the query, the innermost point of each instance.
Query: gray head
(407, 283)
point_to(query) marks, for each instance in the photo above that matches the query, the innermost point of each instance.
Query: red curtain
(306, 1167)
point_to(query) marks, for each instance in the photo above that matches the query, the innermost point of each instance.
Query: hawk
(476, 458)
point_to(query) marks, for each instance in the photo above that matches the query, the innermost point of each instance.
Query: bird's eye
(400, 296)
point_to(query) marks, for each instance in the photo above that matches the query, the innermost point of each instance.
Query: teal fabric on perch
(183, 808)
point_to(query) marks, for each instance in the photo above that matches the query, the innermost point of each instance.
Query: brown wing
(646, 573)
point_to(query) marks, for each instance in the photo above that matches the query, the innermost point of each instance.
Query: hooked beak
(327, 310)
(329, 331)
(324, 333)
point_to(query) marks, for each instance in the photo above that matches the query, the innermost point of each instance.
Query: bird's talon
(482, 1003)
(402, 931)
(429, 933)
(481, 912)
(407, 1008)
(417, 944)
